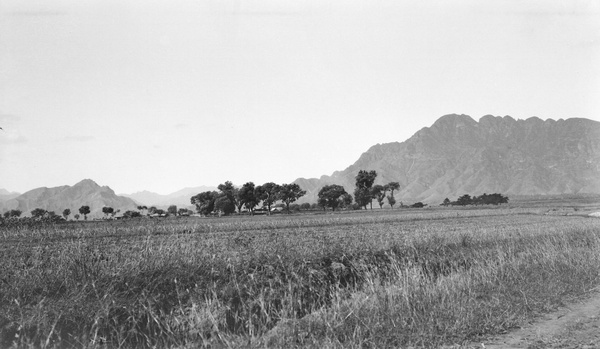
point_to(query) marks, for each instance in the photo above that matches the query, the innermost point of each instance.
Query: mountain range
(56, 199)
(181, 198)
(458, 155)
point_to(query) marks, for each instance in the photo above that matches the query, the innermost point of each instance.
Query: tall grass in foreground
(352, 283)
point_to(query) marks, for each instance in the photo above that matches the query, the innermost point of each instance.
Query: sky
(162, 95)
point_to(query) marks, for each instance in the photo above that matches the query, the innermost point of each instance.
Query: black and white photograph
(299, 174)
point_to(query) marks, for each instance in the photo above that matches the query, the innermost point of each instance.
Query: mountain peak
(458, 155)
(87, 183)
(86, 192)
(454, 120)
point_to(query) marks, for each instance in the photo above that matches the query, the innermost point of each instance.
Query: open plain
(428, 277)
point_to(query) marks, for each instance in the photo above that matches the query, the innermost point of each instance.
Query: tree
(205, 202)
(248, 197)
(152, 210)
(38, 213)
(269, 193)
(76, 216)
(364, 183)
(224, 205)
(172, 210)
(15, 213)
(184, 212)
(231, 192)
(464, 200)
(84, 210)
(107, 210)
(142, 208)
(345, 200)
(391, 200)
(305, 206)
(446, 202)
(289, 193)
(131, 214)
(391, 186)
(329, 196)
(378, 192)
(66, 212)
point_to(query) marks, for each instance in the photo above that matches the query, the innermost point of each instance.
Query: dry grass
(369, 279)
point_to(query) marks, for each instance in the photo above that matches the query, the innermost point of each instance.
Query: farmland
(381, 278)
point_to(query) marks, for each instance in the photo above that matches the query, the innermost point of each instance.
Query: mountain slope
(7, 195)
(180, 198)
(459, 155)
(86, 192)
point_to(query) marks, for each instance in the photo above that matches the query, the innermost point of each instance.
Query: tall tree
(248, 196)
(364, 182)
(378, 193)
(391, 200)
(204, 202)
(66, 213)
(289, 193)
(84, 210)
(391, 186)
(269, 193)
(231, 192)
(172, 210)
(331, 196)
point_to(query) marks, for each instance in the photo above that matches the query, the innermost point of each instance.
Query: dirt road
(574, 326)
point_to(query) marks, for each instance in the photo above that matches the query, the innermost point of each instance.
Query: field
(381, 278)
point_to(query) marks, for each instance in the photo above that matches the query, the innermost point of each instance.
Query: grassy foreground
(370, 279)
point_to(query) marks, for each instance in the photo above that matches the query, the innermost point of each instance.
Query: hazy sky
(161, 95)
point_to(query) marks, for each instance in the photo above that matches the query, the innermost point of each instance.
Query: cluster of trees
(335, 196)
(109, 212)
(13, 213)
(153, 211)
(229, 198)
(484, 199)
(41, 214)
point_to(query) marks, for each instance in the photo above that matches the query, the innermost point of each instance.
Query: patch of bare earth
(576, 325)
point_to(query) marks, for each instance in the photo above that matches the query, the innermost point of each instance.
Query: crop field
(360, 279)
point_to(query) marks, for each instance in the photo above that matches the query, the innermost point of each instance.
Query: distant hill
(459, 155)
(181, 198)
(7, 195)
(56, 199)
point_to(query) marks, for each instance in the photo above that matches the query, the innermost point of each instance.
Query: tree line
(335, 196)
(484, 199)
(229, 199)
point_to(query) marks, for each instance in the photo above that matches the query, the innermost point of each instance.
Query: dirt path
(574, 326)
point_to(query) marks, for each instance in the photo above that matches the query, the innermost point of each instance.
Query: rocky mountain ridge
(459, 155)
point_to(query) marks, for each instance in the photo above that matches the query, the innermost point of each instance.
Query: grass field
(400, 278)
